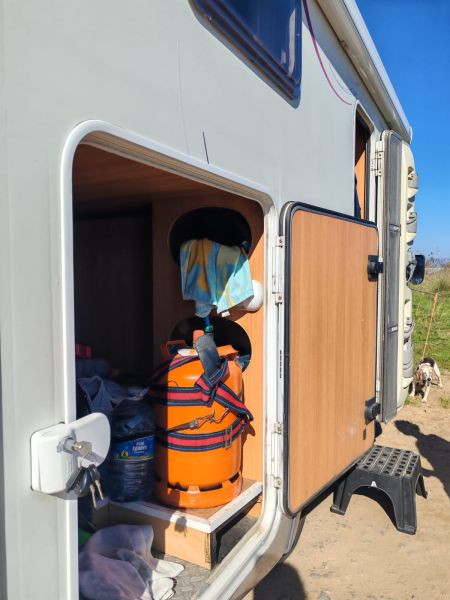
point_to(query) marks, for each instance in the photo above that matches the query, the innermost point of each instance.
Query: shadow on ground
(282, 583)
(380, 498)
(435, 449)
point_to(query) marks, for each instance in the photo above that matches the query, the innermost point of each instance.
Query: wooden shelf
(189, 534)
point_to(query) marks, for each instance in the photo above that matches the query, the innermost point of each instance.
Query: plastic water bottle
(131, 457)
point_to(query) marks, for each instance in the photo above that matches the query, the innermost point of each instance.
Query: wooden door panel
(332, 348)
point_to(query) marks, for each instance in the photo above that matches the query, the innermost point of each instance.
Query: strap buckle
(227, 438)
(199, 421)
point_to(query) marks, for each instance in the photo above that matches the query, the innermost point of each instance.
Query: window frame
(226, 26)
(362, 120)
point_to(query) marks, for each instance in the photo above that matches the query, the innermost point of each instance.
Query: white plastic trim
(349, 25)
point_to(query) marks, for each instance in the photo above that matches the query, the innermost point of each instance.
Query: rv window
(269, 37)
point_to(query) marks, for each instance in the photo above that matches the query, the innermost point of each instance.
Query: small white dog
(423, 377)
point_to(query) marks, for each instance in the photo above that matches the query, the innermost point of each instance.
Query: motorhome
(125, 128)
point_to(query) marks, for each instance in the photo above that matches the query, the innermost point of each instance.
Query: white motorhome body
(109, 108)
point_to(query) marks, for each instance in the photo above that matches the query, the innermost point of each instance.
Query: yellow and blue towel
(214, 275)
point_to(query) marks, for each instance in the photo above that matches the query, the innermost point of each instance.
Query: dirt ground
(361, 555)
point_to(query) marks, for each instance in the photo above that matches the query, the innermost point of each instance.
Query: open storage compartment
(129, 219)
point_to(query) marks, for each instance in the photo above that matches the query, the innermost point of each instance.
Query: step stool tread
(389, 462)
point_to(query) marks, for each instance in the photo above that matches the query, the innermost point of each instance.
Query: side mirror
(418, 274)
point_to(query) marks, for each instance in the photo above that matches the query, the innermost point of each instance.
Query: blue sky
(413, 40)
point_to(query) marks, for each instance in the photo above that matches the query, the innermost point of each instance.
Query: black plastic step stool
(398, 473)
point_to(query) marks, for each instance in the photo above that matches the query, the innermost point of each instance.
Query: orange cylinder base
(196, 497)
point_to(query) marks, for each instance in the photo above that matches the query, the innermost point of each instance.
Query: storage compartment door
(330, 348)
(389, 196)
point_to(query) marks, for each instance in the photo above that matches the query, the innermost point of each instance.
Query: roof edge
(351, 30)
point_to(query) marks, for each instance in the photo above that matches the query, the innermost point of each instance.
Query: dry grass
(439, 282)
(445, 401)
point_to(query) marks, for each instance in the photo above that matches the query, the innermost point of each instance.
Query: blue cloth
(101, 394)
(88, 367)
(214, 275)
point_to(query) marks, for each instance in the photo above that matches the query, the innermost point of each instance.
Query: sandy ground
(361, 555)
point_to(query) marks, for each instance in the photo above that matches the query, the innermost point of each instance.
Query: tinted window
(267, 32)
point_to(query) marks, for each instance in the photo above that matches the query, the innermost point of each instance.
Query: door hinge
(277, 270)
(277, 482)
(376, 164)
(278, 427)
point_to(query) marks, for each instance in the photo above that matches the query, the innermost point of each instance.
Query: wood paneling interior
(332, 349)
(361, 137)
(104, 182)
(113, 300)
(106, 185)
(171, 538)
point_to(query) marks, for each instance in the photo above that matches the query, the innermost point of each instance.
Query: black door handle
(374, 267)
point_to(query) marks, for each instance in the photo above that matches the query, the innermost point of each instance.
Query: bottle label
(140, 449)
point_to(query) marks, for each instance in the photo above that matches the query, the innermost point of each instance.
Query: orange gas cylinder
(200, 416)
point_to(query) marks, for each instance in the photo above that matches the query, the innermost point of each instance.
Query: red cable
(316, 47)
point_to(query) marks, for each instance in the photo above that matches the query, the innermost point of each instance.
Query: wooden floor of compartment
(189, 534)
